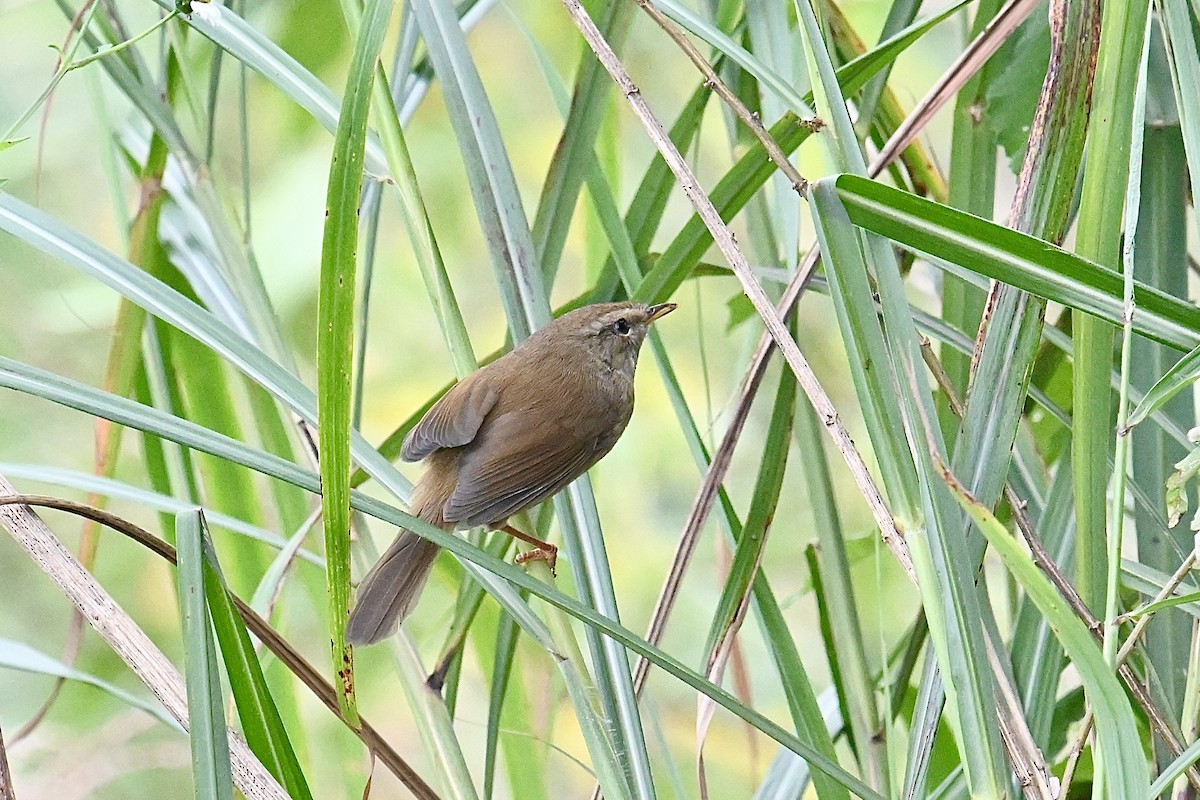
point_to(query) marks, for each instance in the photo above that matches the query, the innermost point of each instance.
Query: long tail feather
(391, 588)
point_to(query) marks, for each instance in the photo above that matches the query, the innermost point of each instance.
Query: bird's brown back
(553, 412)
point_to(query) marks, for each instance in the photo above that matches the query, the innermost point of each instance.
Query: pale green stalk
(1117, 509)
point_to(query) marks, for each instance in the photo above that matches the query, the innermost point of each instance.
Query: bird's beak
(660, 310)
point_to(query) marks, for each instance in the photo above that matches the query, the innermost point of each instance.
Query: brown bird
(507, 437)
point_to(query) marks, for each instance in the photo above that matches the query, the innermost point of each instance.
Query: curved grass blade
(1116, 726)
(249, 46)
(1180, 376)
(109, 487)
(20, 656)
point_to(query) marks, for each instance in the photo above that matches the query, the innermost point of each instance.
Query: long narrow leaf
(211, 770)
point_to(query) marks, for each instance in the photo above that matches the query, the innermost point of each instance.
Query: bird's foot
(549, 554)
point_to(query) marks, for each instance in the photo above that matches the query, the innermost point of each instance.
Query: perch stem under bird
(507, 437)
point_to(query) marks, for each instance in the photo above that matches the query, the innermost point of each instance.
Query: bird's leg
(544, 551)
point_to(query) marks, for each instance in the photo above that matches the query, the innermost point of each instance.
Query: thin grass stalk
(1099, 231)
(751, 172)
(712, 79)
(1037, 658)
(972, 182)
(596, 728)
(801, 700)
(420, 230)
(959, 73)
(778, 237)
(1160, 260)
(1116, 522)
(869, 733)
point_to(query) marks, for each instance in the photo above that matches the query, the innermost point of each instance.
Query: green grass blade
(250, 47)
(420, 231)
(846, 636)
(211, 771)
(1180, 376)
(493, 186)
(1116, 726)
(260, 720)
(574, 151)
(1101, 211)
(1178, 35)
(1024, 261)
(1159, 259)
(335, 340)
(25, 658)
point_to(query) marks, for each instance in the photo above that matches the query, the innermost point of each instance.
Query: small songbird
(507, 437)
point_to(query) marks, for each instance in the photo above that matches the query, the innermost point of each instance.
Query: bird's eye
(621, 326)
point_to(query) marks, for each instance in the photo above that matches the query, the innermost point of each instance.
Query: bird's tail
(391, 588)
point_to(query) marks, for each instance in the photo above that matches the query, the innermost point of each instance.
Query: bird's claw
(548, 554)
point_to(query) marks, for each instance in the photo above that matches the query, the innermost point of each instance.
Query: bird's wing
(520, 459)
(453, 420)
